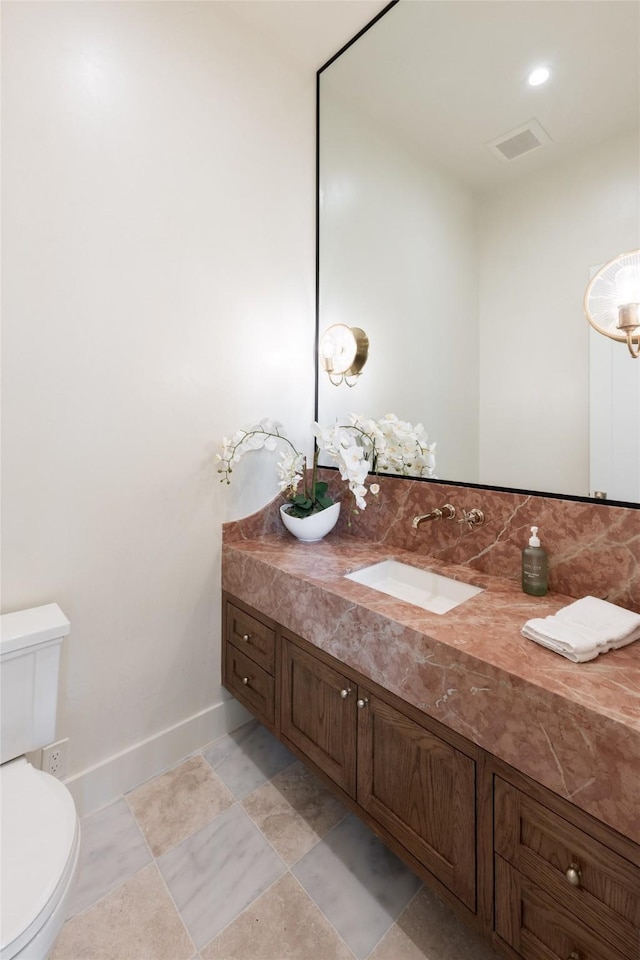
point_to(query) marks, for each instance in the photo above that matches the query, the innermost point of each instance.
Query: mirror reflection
(463, 211)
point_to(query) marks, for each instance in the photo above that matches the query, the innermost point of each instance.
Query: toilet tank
(30, 648)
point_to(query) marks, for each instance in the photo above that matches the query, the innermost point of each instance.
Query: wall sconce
(343, 353)
(612, 300)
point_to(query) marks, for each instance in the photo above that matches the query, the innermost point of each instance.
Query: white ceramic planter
(313, 528)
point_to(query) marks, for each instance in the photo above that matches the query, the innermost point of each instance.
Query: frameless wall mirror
(462, 212)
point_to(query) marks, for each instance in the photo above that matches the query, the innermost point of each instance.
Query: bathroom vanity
(506, 777)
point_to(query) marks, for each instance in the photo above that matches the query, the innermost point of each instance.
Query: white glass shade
(617, 279)
(628, 285)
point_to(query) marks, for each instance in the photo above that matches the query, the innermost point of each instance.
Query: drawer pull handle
(574, 955)
(246, 637)
(362, 703)
(573, 875)
(345, 693)
(245, 680)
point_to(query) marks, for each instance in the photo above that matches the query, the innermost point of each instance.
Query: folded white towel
(585, 629)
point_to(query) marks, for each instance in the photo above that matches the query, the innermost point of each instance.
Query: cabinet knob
(345, 693)
(362, 703)
(246, 637)
(573, 875)
(245, 680)
(574, 955)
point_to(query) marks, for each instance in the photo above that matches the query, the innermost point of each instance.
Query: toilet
(40, 829)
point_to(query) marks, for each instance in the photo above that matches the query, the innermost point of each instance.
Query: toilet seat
(40, 840)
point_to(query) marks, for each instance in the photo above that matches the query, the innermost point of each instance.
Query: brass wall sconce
(343, 353)
(612, 300)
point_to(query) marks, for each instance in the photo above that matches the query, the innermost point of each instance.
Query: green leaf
(300, 511)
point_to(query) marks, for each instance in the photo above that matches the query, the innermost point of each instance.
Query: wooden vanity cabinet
(542, 878)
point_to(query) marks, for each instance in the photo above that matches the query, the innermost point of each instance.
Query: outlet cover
(55, 758)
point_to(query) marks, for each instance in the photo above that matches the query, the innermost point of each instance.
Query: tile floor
(240, 853)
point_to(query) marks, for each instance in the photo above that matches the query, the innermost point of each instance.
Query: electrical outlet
(55, 757)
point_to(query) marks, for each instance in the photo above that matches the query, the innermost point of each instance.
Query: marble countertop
(573, 727)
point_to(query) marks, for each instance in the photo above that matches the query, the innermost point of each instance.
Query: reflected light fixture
(343, 353)
(612, 300)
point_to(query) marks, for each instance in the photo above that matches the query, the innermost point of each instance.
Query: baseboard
(97, 786)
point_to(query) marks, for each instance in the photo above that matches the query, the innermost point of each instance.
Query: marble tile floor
(239, 853)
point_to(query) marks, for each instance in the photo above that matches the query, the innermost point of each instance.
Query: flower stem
(314, 472)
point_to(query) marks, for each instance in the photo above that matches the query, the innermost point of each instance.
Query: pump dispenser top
(535, 567)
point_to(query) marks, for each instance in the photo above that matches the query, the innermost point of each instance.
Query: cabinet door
(318, 714)
(422, 790)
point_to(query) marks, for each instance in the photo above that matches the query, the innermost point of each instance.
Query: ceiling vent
(530, 136)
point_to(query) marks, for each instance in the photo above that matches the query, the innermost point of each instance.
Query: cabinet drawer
(590, 881)
(252, 685)
(538, 927)
(252, 637)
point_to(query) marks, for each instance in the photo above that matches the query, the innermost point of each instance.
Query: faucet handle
(473, 518)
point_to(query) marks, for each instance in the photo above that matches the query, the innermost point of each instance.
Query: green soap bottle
(535, 567)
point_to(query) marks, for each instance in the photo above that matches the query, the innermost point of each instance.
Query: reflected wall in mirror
(467, 269)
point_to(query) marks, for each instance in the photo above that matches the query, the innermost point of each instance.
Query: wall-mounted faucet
(447, 512)
(473, 518)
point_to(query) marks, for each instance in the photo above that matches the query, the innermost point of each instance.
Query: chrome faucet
(447, 512)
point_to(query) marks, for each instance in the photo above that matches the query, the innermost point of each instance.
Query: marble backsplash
(593, 548)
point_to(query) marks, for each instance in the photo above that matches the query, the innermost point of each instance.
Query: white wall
(531, 307)
(158, 240)
(399, 258)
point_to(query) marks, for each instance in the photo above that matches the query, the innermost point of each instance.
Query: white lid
(39, 824)
(534, 540)
(36, 625)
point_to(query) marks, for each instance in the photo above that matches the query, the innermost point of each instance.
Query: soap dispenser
(535, 567)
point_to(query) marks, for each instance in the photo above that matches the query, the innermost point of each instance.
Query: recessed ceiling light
(538, 76)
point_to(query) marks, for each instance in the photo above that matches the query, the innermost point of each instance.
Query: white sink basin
(431, 591)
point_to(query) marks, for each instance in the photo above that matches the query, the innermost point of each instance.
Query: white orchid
(290, 470)
(292, 466)
(358, 447)
(364, 446)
